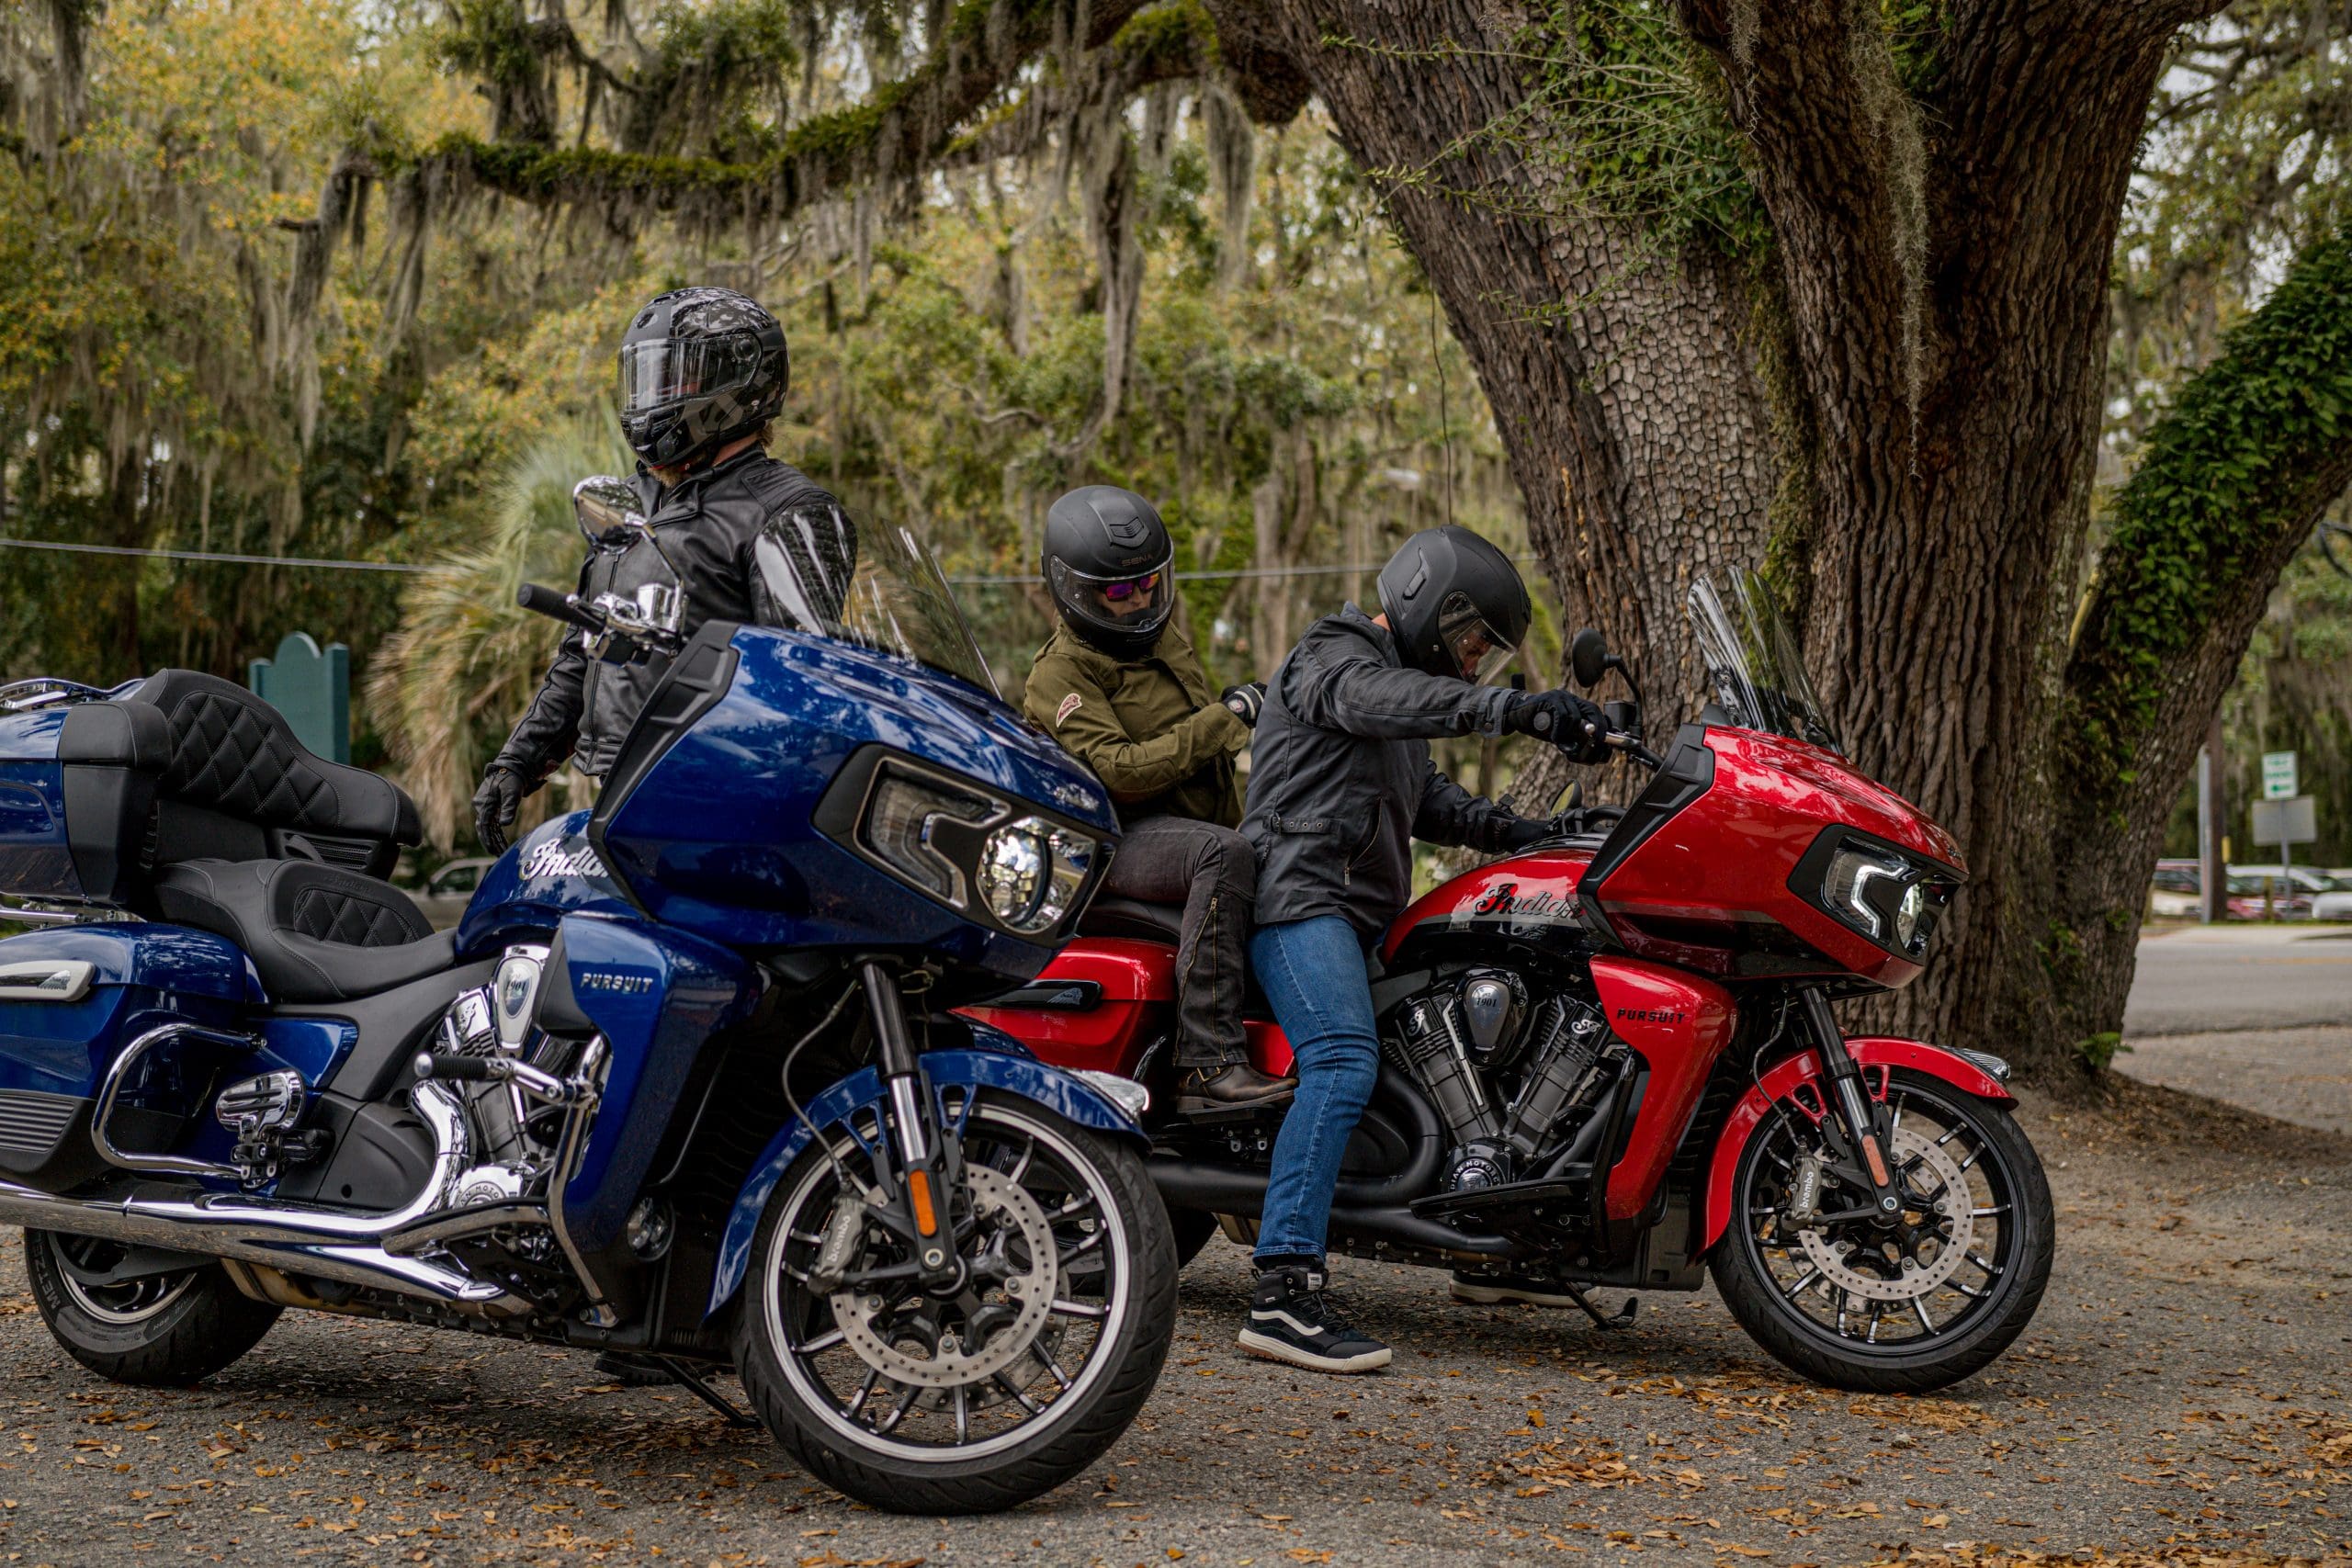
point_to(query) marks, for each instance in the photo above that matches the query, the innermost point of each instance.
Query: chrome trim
(169, 1164)
(1125, 1093)
(569, 1150)
(462, 1222)
(47, 980)
(1995, 1068)
(296, 1238)
(37, 915)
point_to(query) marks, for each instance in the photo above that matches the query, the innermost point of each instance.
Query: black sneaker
(1493, 1289)
(1291, 1319)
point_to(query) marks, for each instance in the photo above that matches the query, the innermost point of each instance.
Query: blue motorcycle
(685, 1085)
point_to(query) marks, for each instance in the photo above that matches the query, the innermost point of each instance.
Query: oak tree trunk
(1937, 294)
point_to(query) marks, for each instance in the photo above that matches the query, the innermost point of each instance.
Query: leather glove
(1520, 831)
(495, 804)
(1247, 701)
(1570, 722)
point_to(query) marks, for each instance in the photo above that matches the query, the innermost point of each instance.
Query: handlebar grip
(445, 1065)
(559, 606)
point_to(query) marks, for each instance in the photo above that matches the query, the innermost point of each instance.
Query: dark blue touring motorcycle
(685, 1085)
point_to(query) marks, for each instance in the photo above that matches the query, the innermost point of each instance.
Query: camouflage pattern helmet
(699, 367)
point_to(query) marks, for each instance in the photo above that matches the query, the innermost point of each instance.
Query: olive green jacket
(1151, 728)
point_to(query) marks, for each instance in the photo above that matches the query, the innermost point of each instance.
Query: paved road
(2186, 1383)
(2194, 980)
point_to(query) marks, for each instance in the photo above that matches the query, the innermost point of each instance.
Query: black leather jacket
(708, 522)
(1340, 780)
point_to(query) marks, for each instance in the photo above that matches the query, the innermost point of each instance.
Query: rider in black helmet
(1341, 784)
(703, 374)
(1119, 685)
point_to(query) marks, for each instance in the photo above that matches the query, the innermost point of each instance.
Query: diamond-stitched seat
(316, 933)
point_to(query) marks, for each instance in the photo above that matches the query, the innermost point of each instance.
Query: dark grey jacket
(708, 522)
(1341, 780)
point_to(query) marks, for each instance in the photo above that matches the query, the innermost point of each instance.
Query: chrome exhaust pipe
(297, 1238)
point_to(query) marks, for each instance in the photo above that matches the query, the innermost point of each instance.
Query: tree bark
(1942, 229)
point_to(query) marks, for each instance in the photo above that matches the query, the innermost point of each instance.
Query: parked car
(2247, 885)
(2175, 890)
(2336, 902)
(448, 890)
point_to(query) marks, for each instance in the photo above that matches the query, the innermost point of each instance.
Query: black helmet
(699, 366)
(1106, 558)
(1455, 603)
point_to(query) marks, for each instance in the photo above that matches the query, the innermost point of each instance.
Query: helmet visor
(1476, 649)
(659, 372)
(1131, 602)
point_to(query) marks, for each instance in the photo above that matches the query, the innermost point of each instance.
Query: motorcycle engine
(1504, 1075)
(495, 1019)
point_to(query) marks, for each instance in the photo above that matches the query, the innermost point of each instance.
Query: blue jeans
(1313, 972)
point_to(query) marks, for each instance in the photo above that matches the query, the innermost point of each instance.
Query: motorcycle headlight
(1890, 897)
(1031, 873)
(967, 849)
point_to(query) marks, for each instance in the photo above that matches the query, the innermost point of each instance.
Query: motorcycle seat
(315, 932)
(1133, 919)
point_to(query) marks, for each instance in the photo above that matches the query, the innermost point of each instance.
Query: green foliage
(2097, 1052)
(1632, 115)
(2218, 473)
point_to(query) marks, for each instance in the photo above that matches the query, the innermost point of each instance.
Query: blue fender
(999, 1062)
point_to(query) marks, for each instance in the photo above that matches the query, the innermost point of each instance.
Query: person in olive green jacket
(1122, 690)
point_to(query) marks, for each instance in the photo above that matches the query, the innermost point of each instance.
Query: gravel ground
(2181, 1398)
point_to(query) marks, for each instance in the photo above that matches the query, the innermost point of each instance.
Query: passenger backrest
(192, 767)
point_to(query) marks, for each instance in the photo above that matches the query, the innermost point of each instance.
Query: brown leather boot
(1234, 1086)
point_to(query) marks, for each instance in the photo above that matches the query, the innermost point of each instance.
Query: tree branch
(2236, 475)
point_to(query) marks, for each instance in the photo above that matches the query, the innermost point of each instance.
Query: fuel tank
(1529, 900)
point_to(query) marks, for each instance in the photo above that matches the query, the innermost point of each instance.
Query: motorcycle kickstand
(1625, 1319)
(685, 1375)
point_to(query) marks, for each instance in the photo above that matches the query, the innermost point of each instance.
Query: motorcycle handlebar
(559, 606)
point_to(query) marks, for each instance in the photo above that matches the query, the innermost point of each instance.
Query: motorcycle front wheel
(1901, 1308)
(981, 1398)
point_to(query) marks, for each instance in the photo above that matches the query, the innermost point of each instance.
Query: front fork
(1856, 1115)
(922, 1152)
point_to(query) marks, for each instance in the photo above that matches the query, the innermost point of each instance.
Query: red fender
(1797, 1081)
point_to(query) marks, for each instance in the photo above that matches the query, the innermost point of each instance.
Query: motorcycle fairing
(996, 1061)
(716, 834)
(1679, 1025)
(1093, 1004)
(1697, 873)
(1783, 1079)
(655, 996)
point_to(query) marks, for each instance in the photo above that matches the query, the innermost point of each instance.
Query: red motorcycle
(1611, 1059)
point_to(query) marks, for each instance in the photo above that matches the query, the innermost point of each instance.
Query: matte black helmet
(1455, 603)
(1107, 558)
(699, 366)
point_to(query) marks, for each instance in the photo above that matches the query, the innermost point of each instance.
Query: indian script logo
(552, 859)
(1505, 900)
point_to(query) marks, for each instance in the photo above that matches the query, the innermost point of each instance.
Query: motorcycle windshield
(1752, 659)
(878, 586)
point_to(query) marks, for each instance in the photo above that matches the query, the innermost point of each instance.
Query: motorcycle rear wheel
(1894, 1332)
(165, 1330)
(931, 1442)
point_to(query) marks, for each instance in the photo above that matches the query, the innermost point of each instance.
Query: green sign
(312, 689)
(2278, 777)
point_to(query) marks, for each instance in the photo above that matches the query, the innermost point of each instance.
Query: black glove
(1246, 700)
(1520, 831)
(1566, 720)
(495, 803)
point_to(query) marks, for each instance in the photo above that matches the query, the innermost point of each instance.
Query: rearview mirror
(1588, 658)
(607, 509)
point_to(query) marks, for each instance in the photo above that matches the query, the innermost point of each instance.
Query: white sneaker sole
(1275, 1349)
(1496, 1295)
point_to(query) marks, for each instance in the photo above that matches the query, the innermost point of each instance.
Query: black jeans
(1212, 873)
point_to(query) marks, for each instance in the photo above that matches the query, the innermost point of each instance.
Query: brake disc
(1916, 1278)
(997, 1201)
